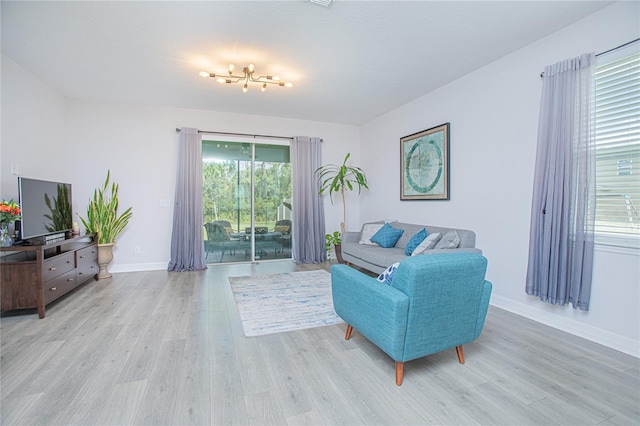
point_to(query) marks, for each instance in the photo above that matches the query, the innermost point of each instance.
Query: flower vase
(5, 238)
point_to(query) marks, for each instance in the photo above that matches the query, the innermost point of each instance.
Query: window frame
(605, 241)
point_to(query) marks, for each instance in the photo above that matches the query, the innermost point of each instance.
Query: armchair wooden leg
(349, 330)
(460, 354)
(399, 372)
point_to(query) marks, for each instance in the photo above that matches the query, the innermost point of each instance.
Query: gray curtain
(187, 238)
(561, 239)
(308, 228)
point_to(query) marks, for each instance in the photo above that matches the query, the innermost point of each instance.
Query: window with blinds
(617, 127)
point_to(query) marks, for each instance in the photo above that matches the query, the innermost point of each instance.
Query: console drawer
(58, 265)
(86, 263)
(87, 255)
(59, 286)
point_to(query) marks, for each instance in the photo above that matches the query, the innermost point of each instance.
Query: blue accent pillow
(387, 276)
(387, 236)
(415, 241)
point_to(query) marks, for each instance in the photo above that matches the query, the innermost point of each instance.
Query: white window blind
(617, 127)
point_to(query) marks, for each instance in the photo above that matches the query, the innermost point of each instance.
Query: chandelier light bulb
(246, 78)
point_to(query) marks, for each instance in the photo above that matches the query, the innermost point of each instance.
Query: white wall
(139, 145)
(77, 141)
(33, 129)
(494, 116)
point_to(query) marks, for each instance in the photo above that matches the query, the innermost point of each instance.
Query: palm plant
(102, 213)
(340, 178)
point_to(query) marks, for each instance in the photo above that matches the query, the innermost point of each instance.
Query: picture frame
(424, 165)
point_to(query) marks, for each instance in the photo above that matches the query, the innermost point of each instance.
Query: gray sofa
(376, 259)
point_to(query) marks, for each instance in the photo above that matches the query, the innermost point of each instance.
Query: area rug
(270, 304)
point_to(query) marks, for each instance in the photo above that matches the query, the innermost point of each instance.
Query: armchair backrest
(216, 232)
(448, 299)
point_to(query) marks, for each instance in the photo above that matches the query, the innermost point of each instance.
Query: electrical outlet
(136, 249)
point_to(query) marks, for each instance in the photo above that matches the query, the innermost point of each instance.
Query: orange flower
(9, 211)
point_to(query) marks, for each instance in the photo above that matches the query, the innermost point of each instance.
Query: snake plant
(102, 213)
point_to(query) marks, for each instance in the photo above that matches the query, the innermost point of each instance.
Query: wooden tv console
(34, 275)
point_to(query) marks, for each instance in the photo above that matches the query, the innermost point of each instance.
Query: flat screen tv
(45, 207)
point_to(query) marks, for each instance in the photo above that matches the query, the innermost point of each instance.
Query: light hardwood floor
(158, 348)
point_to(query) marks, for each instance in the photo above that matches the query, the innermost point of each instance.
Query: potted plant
(335, 240)
(340, 178)
(103, 219)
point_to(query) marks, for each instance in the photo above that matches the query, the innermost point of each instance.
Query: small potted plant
(340, 178)
(334, 240)
(103, 219)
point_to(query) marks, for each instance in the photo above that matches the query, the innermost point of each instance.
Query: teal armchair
(434, 303)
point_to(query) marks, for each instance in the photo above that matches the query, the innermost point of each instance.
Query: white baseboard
(598, 335)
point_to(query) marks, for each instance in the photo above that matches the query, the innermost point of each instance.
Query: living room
(493, 112)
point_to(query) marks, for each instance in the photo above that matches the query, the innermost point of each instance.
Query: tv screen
(46, 207)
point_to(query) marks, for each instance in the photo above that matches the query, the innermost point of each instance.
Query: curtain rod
(607, 51)
(240, 134)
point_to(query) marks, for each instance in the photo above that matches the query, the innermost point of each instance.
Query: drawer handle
(69, 279)
(81, 257)
(53, 288)
(53, 268)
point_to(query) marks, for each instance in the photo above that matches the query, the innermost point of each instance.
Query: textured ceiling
(349, 63)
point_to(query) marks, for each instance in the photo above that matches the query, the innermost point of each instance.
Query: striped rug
(270, 304)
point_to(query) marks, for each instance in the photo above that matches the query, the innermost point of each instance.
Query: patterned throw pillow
(387, 236)
(387, 276)
(450, 240)
(368, 231)
(415, 241)
(428, 244)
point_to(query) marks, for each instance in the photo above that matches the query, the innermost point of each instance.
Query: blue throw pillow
(415, 241)
(387, 276)
(387, 236)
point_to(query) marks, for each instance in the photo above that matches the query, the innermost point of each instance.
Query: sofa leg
(460, 354)
(399, 372)
(349, 330)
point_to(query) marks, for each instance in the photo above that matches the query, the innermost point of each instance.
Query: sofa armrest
(484, 307)
(351, 237)
(455, 250)
(376, 310)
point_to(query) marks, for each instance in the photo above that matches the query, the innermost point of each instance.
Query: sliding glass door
(247, 201)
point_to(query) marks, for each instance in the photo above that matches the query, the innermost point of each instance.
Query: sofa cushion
(415, 241)
(450, 240)
(368, 231)
(387, 276)
(428, 244)
(282, 228)
(387, 236)
(409, 231)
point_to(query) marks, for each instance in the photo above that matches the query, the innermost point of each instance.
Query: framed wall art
(424, 167)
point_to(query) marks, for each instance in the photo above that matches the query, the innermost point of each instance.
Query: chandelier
(246, 78)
